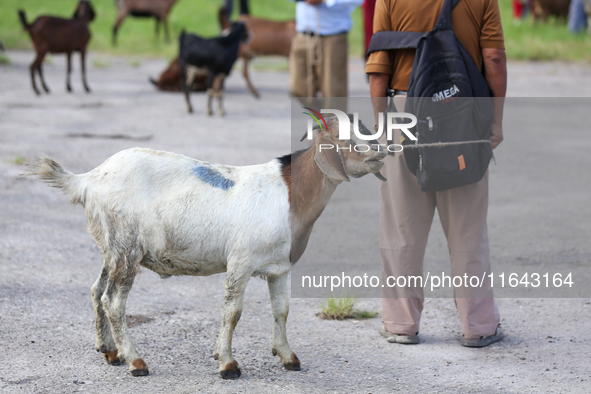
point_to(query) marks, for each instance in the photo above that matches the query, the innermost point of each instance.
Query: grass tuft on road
(343, 308)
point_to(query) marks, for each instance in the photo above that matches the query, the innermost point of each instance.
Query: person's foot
(483, 341)
(399, 338)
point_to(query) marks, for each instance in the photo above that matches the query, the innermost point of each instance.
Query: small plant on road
(343, 308)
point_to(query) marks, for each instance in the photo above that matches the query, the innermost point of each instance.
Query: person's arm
(495, 72)
(378, 83)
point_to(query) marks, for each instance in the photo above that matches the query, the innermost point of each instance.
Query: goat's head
(84, 11)
(339, 159)
(237, 29)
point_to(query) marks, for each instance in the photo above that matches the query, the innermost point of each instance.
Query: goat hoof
(87, 89)
(111, 358)
(69, 89)
(140, 368)
(293, 364)
(231, 371)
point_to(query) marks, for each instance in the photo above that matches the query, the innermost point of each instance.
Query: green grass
(136, 35)
(18, 160)
(524, 41)
(549, 40)
(343, 308)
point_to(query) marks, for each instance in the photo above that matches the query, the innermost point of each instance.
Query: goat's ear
(328, 159)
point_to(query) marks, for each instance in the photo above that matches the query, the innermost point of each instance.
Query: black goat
(216, 56)
(51, 34)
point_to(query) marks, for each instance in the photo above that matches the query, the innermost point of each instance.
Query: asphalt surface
(539, 218)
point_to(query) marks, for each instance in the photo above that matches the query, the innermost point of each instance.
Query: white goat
(178, 216)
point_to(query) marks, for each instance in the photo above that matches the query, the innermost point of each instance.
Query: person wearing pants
(406, 213)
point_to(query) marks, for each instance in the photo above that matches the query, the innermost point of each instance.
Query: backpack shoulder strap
(386, 40)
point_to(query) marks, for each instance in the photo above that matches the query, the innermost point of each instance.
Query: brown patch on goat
(286, 173)
(112, 357)
(171, 79)
(141, 369)
(231, 371)
(293, 364)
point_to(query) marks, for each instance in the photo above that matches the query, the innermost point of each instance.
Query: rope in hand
(442, 144)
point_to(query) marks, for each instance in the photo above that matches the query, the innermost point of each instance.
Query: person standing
(319, 51)
(406, 213)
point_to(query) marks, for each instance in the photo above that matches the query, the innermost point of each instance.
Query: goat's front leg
(83, 68)
(236, 282)
(69, 71)
(104, 338)
(280, 305)
(114, 300)
(188, 75)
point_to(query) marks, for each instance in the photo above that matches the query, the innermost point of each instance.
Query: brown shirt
(476, 23)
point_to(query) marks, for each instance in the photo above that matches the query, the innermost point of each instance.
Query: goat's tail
(23, 18)
(73, 186)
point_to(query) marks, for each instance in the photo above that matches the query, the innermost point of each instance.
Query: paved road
(539, 216)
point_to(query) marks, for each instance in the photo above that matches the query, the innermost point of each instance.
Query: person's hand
(496, 135)
(313, 2)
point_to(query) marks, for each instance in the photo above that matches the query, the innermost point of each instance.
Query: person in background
(229, 5)
(368, 11)
(577, 18)
(520, 9)
(319, 52)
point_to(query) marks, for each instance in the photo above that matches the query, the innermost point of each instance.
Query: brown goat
(265, 38)
(543, 8)
(171, 79)
(158, 9)
(51, 34)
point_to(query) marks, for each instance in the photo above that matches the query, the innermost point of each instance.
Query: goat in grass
(159, 9)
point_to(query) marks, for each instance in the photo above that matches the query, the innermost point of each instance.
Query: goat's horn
(380, 177)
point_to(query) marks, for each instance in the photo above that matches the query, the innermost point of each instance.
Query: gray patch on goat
(213, 177)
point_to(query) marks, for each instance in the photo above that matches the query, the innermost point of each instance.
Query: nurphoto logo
(393, 121)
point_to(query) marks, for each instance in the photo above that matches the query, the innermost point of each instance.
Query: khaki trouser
(318, 64)
(406, 215)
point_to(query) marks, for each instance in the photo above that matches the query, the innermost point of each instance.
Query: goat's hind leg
(188, 75)
(104, 339)
(218, 92)
(114, 299)
(280, 305)
(36, 66)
